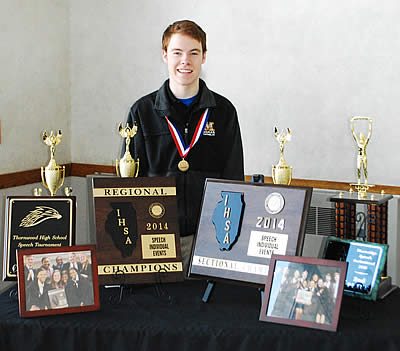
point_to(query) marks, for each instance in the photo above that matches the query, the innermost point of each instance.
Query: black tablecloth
(144, 320)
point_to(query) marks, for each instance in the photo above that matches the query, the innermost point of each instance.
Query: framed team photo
(57, 280)
(305, 292)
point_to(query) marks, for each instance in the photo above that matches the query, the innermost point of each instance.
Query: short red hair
(185, 27)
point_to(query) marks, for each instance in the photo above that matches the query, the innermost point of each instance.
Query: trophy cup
(282, 172)
(361, 140)
(52, 175)
(127, 166)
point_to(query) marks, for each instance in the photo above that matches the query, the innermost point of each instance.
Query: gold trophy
(127, 166)
(282, 172)
(362, 162)
(52, 175)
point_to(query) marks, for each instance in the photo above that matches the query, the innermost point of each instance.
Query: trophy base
(361, 189)
(386, 288)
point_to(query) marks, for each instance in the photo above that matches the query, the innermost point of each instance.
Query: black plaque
(137, 230)
(36, 222)
(243, 224)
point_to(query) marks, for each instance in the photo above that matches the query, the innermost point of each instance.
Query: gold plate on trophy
(183, 165)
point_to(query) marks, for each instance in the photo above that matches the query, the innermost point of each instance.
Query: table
(144, 320)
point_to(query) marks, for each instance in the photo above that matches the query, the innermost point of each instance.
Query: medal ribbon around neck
(180, 142)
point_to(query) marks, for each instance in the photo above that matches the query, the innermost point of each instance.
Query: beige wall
(34, 81)
(307, 65)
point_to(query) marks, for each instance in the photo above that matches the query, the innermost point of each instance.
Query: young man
(29, 271)
(36, 293)
(186, 130)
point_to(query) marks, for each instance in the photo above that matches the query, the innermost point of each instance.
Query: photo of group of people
(58, 280)
(304, 292)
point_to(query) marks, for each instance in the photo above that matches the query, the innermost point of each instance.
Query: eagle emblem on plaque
(121, 225)
(227, 219)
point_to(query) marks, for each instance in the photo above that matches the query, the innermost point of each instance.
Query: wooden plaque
(137, 230)
(243, 224)
(36, 222)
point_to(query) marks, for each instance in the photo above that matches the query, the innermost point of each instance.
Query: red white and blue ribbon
(184, 149)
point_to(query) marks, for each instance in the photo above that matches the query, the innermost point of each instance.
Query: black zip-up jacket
(217, 154)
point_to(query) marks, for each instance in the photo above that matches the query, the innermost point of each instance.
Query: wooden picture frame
(304, 292)
(42, 291)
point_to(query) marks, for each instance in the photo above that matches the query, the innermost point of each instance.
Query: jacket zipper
(186, 132)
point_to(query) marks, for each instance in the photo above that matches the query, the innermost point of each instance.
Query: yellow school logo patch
(209, 130)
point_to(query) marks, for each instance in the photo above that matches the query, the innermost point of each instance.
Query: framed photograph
(366, 262)
(305, 292)
(57, 280)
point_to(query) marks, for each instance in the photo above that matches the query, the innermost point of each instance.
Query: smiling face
(45, 262)
(56, 276)
(184, 57)
(73, 274)
(64, 276)
(29, 261)
(72, 257)
(41, 276)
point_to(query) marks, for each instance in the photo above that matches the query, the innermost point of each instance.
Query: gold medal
(183, 165)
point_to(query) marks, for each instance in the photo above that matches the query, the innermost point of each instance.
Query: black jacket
(217, 154)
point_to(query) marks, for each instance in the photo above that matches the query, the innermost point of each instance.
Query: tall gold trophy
(127, 166)
(53, 175)
(361, 140)
(282, 172)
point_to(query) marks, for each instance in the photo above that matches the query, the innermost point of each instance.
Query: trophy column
(376, 217)
(378, 222)
(345, 220)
